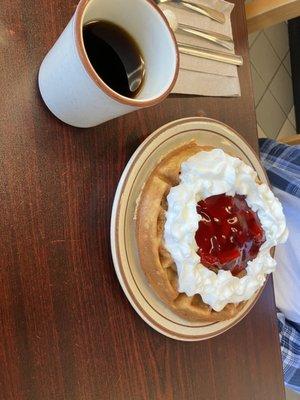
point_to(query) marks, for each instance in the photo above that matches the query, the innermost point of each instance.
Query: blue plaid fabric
(282, 163)
(289, 335)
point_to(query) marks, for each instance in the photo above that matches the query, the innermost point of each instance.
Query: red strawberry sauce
(229, 234)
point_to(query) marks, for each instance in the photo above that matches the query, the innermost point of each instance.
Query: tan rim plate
(123, 244)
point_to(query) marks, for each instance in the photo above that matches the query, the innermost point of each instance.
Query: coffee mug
(70, 86)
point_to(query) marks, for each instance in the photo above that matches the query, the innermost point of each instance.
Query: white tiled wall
(271, 74)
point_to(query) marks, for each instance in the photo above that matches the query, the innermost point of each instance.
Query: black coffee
(115, 56)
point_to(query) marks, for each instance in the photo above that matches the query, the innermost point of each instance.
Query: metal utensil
(214, 37)
(209, 54)
(218, 38)
(200, 9)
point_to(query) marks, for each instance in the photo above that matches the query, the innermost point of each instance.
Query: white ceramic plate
(123, 244)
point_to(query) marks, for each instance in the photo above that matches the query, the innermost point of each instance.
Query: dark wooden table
(66, 329)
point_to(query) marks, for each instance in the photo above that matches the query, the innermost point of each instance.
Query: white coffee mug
(70, 86)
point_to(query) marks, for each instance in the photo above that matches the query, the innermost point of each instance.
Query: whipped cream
(206, 174)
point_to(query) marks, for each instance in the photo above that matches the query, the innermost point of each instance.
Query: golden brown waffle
(156, 261)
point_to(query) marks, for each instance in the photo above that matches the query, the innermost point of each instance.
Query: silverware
(200, 9)
(209, 54)
(218, 38)
(214, 37)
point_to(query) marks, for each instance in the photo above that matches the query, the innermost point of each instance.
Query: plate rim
(114, 231)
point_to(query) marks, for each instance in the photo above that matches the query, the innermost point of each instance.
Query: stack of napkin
(198, 75)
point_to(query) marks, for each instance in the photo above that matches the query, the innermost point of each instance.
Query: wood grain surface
(66, 328)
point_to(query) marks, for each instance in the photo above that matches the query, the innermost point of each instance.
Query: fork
(200, 9)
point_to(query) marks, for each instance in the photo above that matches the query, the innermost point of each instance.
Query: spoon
(218, 38)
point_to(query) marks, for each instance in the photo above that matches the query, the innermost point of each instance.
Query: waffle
(155, 260)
